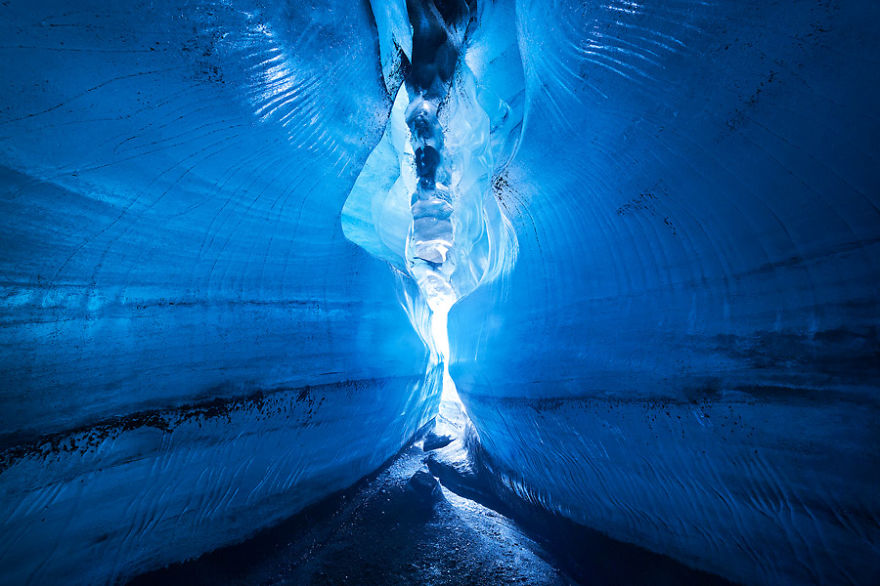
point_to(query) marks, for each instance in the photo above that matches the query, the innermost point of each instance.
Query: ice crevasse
(231, 233)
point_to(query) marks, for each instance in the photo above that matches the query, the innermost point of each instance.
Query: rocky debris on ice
(426, 487)
(434, 441)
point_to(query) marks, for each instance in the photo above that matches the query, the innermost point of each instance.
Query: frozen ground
(383, 531)
(400, 526)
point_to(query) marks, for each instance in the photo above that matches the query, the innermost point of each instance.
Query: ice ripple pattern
(684, 355)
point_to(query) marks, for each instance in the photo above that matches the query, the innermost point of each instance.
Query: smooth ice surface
(191, 349)
(685, 354)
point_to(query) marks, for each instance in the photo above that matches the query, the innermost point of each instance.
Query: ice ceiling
(660, 222)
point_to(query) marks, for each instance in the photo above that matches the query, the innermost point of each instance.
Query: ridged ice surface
(191, 349)
(685, 354)
(679, 349)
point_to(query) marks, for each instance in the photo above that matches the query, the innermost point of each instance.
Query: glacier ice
(685, 353)
(424, 200)
(191, 348)
(654, 228)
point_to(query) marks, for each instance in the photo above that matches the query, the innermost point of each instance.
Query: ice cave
(440, 292)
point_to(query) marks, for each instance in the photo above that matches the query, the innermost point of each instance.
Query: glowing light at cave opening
(424, 201)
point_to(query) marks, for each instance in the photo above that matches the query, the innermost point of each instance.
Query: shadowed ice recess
(245, 247)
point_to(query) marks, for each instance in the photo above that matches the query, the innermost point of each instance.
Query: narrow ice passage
(441, 151)
(247, 245)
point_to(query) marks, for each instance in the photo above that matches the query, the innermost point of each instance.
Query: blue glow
(247, 247)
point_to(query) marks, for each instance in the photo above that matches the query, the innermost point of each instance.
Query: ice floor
(402, 526)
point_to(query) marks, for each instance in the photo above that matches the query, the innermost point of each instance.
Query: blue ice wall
(685, 355)
(190, 349)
